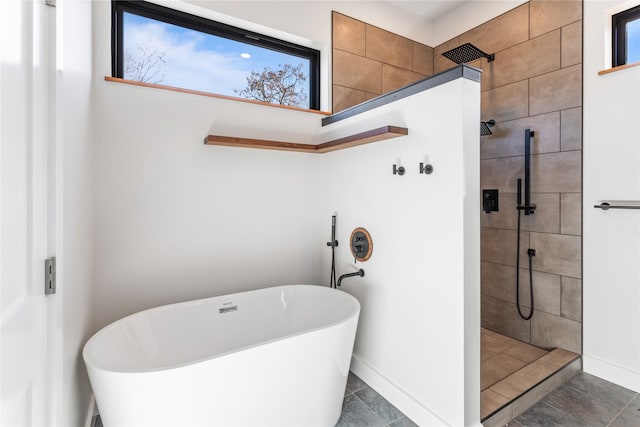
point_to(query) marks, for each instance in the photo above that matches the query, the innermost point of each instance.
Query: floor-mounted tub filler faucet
(344, 276)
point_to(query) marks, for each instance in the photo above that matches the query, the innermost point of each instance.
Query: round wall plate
(361, 244)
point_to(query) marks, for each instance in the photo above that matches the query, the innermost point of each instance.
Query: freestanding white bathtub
(276, 356)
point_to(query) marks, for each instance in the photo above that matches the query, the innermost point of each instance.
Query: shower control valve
(361, 244)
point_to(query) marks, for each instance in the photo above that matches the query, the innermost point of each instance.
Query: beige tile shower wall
(535, 82)
(369, 61)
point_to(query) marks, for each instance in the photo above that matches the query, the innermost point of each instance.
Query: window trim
(619, 35)
(205, 25)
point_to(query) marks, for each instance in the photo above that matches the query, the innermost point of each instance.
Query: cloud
(190, 62)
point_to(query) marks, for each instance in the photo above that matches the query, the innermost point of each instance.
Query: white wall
(75, 248)
(177, 220)
(611, 295)
(422, 281)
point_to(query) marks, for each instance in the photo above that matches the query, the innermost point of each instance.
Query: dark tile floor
(364, 407)
(584, 401)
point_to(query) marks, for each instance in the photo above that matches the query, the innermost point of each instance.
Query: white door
(24, 125)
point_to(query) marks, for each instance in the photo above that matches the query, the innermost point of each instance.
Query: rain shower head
(485, 127)
(467, 53)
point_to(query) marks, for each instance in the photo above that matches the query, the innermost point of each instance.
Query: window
(154, 44)
(626, 37)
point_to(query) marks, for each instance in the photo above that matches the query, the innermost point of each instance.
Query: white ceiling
(447, 18)
(427, 9)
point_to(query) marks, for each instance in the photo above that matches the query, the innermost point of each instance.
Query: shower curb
(533, 395)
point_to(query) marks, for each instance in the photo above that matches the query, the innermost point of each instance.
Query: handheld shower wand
(333, 244)
(528, 209)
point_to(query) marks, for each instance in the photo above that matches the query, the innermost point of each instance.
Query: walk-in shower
(519, 366)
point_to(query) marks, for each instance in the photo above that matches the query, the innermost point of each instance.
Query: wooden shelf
(367, 137)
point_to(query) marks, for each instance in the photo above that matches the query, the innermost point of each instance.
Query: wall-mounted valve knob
(398, 170)
(426, 168)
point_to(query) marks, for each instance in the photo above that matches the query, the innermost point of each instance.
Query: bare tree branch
(146, 64)
(284, 86)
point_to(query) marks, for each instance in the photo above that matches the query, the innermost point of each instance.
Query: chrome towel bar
(618, 204)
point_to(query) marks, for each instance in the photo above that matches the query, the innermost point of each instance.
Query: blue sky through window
(190, 59)
(633, 41)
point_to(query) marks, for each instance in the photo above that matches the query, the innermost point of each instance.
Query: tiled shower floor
(511, 367)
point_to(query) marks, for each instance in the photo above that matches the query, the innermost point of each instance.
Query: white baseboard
(610, 372)
(91, 411)
(413, 409)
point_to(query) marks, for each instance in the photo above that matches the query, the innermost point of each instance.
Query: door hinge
(50, 276)
(50, 3)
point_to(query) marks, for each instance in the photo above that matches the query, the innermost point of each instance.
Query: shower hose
(531, 253)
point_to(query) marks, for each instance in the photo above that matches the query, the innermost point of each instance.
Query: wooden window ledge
(367, 137)
(619, 68)
(211, 95)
